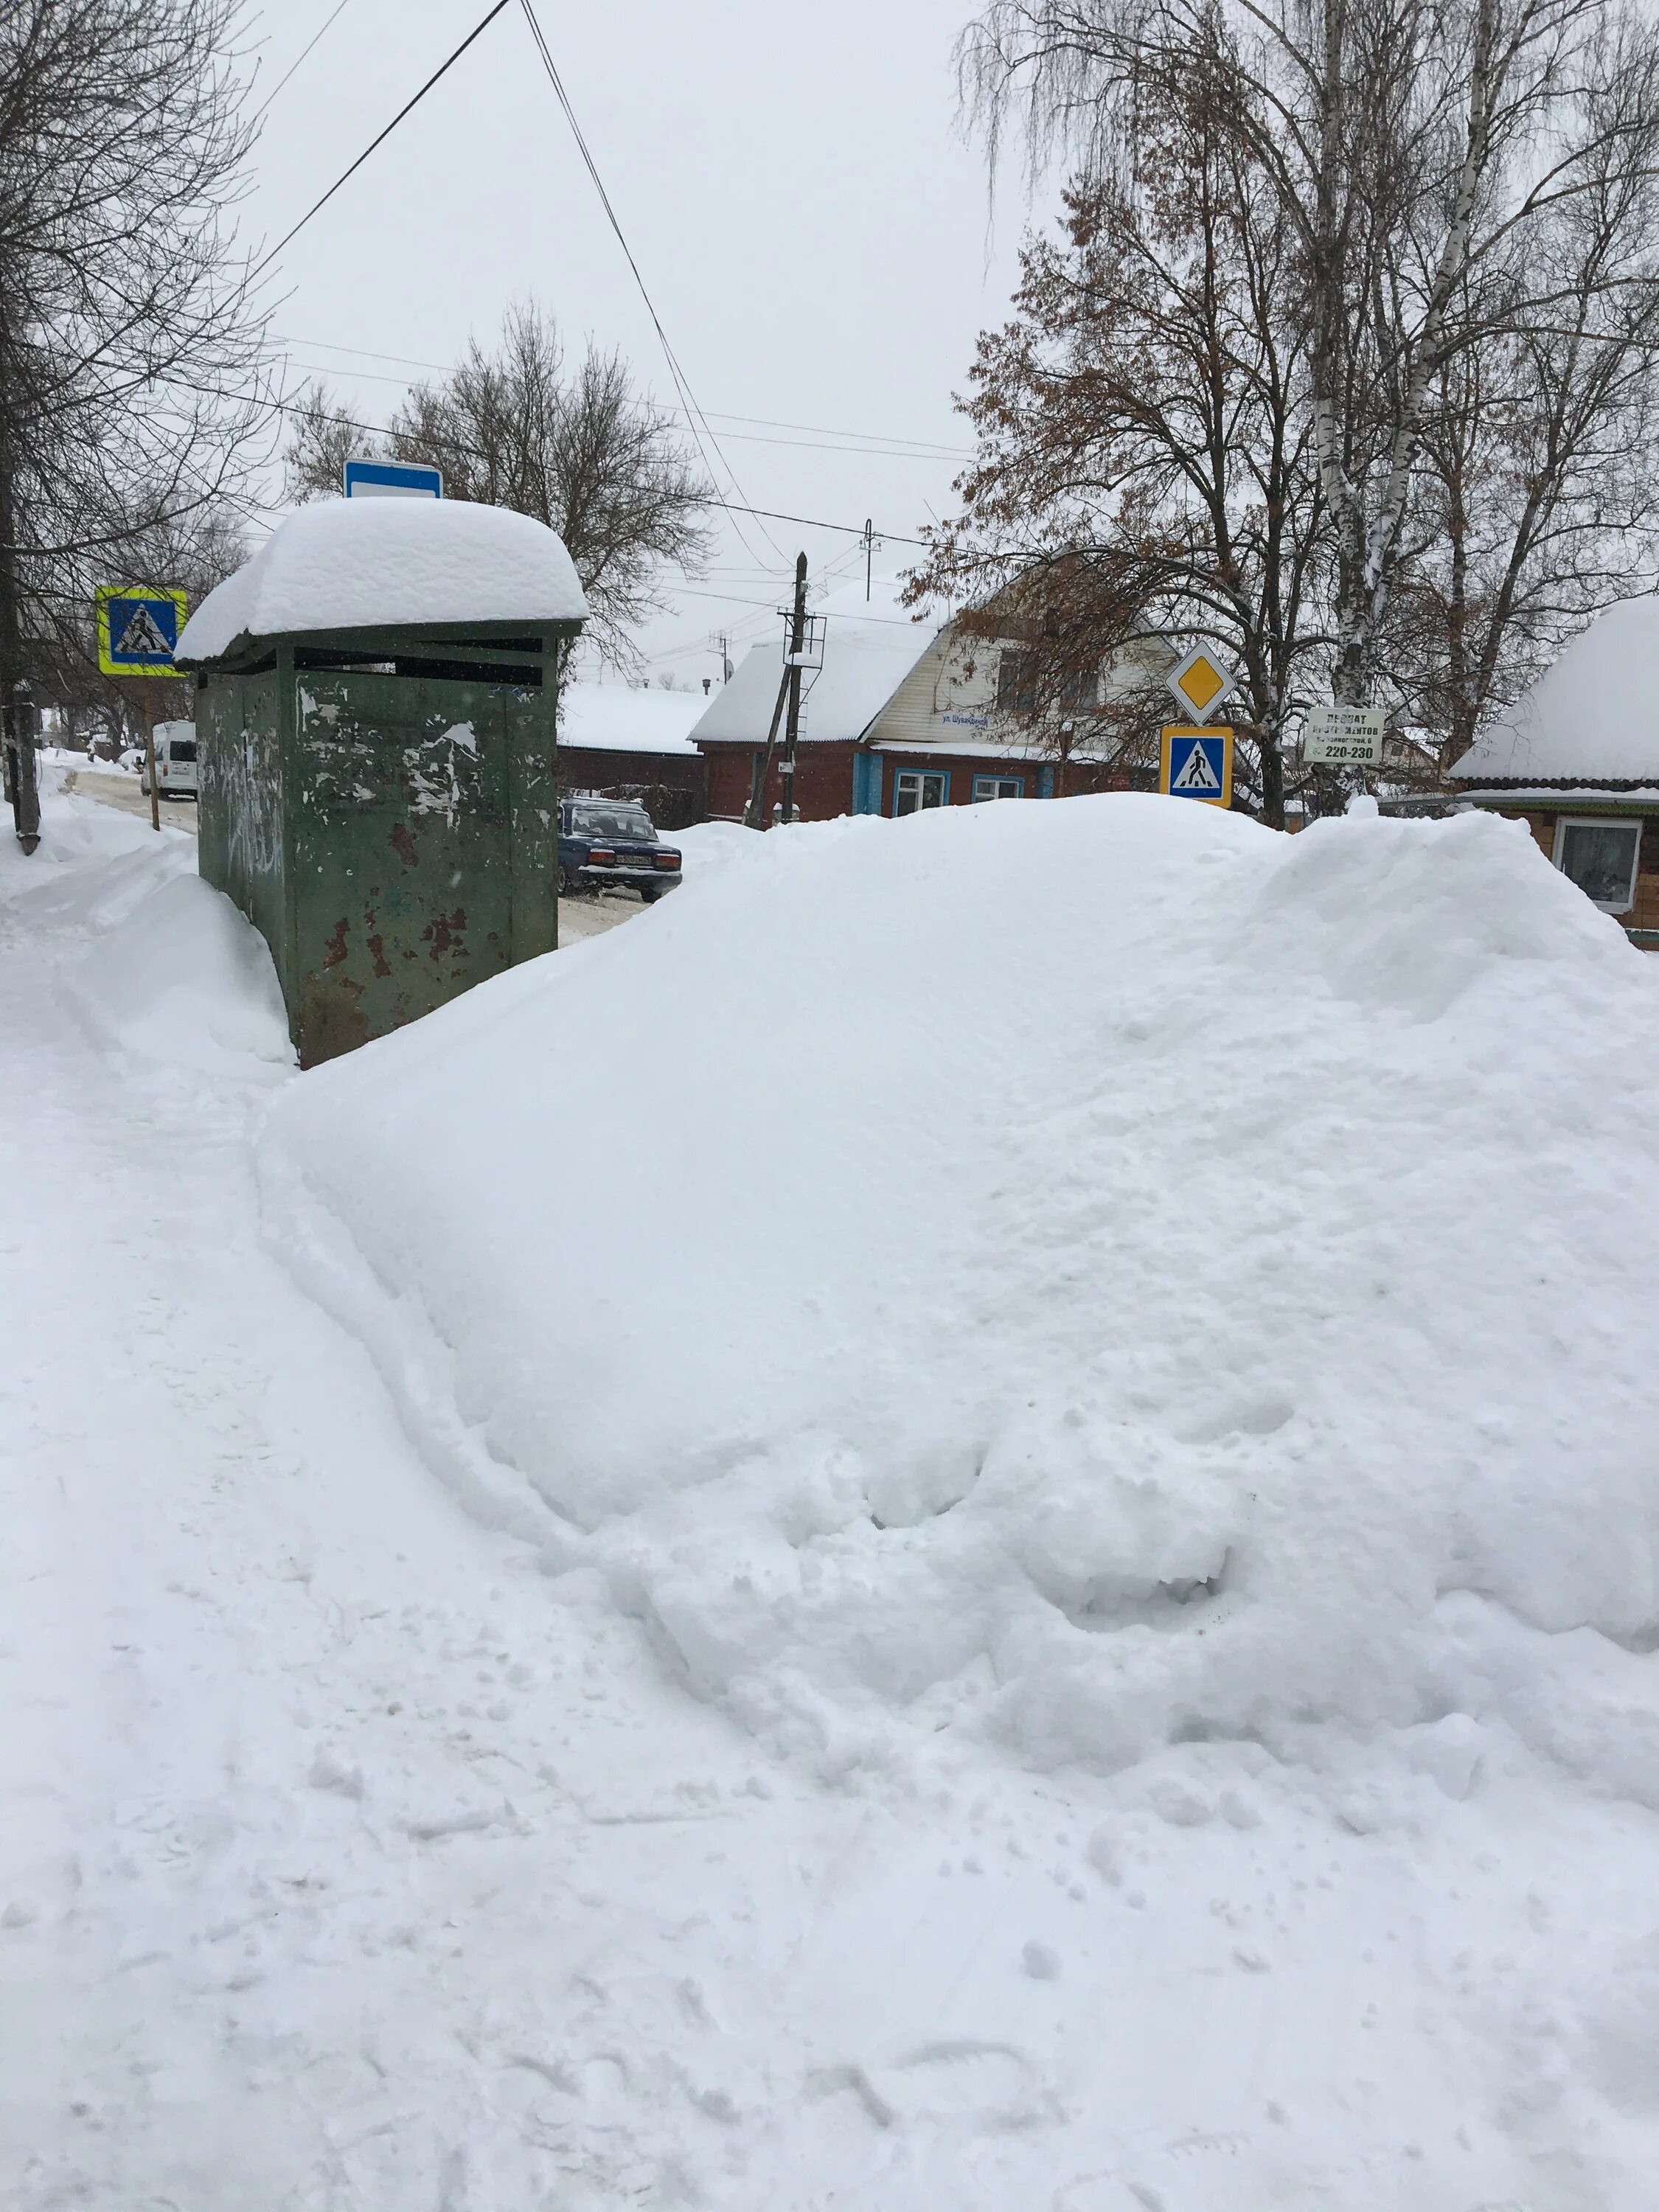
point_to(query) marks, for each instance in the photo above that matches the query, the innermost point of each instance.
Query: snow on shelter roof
(369, 563)
(1593, 717)
(870, 647)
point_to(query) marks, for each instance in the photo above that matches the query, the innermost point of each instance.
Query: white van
(175, 761)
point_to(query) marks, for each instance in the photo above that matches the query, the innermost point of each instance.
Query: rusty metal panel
(532, 788)
(400, 849)
(240, 801)
(384, 807)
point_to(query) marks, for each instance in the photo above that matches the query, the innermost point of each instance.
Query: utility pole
(869, 552)
(797, 655)
(22, 785)
(147, 708)
(788, 696)
(756, 818)
(22, 773)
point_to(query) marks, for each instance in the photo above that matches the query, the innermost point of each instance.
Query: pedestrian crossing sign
(1197, 765)
(138, 629)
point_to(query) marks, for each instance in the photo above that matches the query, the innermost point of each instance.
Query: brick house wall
(827, 782)
(674, 786)
(824, 779)
(1543, 820)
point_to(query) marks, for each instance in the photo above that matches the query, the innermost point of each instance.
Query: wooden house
(1578, 761)
(904, 715)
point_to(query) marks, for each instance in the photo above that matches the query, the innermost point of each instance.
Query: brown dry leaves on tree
(1143, 473)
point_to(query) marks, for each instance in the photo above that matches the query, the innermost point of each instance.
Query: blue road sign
(1198, 764)
(138, 630)
(392, 480)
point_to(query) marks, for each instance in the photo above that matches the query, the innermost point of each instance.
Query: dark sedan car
(612, 840)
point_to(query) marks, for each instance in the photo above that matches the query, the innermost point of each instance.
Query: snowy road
(122, 791)
(352, 1861)
(579, 918)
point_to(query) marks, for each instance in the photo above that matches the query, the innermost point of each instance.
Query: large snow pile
(1238, 1800)
(358, 563)
(1096, 1277)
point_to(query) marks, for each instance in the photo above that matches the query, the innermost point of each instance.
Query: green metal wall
(422, 849)
(394, 836)
(240, 804)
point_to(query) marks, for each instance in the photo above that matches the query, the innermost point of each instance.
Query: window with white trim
(915, 789)
(998, 786)
(1601, 858)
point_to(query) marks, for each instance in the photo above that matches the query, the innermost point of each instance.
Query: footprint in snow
(991, 2084)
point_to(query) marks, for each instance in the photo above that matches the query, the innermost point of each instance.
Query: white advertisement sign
(1349, 736)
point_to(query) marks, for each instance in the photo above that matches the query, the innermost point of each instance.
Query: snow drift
(1091, 1277)
(1249, 1236)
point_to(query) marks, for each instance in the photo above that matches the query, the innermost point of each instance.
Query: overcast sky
(814, 231)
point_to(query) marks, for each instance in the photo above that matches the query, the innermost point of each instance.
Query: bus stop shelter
(375, 715)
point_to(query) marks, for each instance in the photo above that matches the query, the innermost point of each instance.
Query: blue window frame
(916, 789)
(997, 786)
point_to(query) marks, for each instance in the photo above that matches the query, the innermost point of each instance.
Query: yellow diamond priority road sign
(1201, 681)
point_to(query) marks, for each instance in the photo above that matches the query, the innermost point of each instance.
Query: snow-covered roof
(1593, 717)
(620, 718)
(361, 563)
(870, 647)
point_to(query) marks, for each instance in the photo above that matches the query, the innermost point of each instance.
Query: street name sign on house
(392, 480)
(138, 627)
(1197, 763)
(1201, 681)
(1344, 736)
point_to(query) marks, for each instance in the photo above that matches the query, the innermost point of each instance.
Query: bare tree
(1411, 146)
(1538, 495)
(1144, 463)
(579, 449)
(131, 394)
(321, 440)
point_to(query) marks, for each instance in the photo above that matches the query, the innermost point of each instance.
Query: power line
(871, 438)
(747, 628)
(383, 430)
(889, 453)
(482, 26)
(694, 413)
(281, 80)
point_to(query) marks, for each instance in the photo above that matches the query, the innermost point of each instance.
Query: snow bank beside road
(345, 1848)
(155, 962)
(1197, 1302)
(188, 981)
